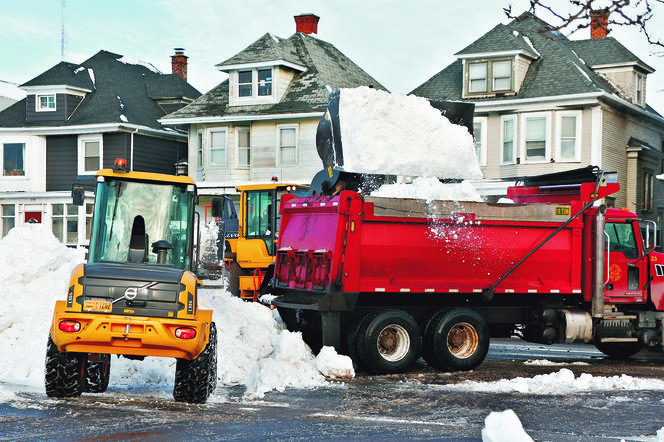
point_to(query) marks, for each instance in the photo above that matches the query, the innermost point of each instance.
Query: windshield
(132, 216)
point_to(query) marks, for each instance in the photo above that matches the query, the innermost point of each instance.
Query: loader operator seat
(138, 249)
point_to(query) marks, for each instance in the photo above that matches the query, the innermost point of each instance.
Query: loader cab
(143, 219)
(259, 217)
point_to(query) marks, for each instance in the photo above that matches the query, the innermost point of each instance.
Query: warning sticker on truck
(562, 210)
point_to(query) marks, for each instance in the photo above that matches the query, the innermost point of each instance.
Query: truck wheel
(97, 374)
(195, 380)
(618, 350)
(388, 341)
(65, 372)
(456, 340)
(352, 340)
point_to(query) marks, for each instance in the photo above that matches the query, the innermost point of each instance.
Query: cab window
(622, 239)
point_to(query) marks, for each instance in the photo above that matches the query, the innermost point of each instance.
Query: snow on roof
(129, 60)
(11, 90)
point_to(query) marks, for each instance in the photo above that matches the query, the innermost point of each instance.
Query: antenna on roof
(63, 33)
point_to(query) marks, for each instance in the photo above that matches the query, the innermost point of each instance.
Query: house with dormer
(545, 103)
(260, 123)
(76, 119)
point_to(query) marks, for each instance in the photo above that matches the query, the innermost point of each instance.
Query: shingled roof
(324, 65)
(562, 66)
(120, 91)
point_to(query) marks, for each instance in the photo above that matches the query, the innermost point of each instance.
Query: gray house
(544, 103)
(261, 122)
(76, 119)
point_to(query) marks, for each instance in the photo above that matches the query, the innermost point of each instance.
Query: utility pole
(63, 33)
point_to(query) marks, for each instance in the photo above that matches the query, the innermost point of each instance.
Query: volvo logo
(130, 293)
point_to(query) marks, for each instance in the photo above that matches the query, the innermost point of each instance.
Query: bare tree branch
(621, 13)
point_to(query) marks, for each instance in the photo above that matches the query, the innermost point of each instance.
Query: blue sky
(401, 44)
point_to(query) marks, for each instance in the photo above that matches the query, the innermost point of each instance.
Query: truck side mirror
(78, 194)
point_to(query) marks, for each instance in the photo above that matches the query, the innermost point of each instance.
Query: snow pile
(504, 427)
(254, 348)
(402, 135)
(34, 273)
(430, 189)
(259, 352)
(560, 383)
(547, 363)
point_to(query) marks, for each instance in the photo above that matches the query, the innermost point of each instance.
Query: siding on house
(61, 162)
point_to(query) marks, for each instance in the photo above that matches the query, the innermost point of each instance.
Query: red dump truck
(387, 280)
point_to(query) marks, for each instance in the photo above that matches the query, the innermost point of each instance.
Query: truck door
(626, 271)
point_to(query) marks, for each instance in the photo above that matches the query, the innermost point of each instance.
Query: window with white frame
(568, 136)
(245, 83)
(507, 139)
(243, 143)
(13, 159)
(89, 210)
(199, 148)
(254, 83)
(535, 129)
(64, 223)
(287, 135)
(264, 82)
(502, 75)
(90, 154)
(479, 134)
(45, 103)
(477, 77)
(7, 217)
(218, 147)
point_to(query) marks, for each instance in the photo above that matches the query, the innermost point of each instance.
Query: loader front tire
(195, 380)
(64, 375)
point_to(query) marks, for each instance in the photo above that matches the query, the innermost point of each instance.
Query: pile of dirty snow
(254, 348)
(402, 135)
(560, 383)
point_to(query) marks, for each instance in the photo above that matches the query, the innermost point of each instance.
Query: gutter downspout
(131, 151)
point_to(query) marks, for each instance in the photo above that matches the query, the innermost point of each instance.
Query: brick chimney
(599, 22)
(306, 23)
(179, 63)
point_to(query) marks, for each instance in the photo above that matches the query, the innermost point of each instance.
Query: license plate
(97, 305)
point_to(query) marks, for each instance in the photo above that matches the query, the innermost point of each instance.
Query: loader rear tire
(97, 374)
(65, 372)
(618, 350)
(456, 340)
(388, 341)
(196, 379)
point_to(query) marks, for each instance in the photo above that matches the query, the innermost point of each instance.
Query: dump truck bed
(396, 245)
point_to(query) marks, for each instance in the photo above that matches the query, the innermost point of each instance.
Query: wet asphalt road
(397, 407)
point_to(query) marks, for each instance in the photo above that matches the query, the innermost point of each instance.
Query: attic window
(45, 103)
(254, 83)
(489, 77)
